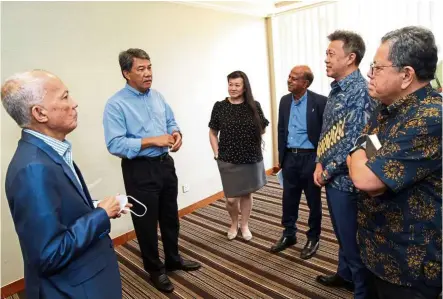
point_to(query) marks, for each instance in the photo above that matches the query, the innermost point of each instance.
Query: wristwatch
(324, 176)
(355, 148)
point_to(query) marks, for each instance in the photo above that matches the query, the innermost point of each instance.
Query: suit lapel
(57, 159)
(310, 110)
(287, 115)
(85, 188)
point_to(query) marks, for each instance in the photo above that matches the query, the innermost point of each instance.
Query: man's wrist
(355, 148)
(324, 175)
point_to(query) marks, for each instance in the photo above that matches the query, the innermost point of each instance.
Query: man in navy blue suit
(299, 126)
(66, 248)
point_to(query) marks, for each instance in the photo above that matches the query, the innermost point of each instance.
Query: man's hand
(348, 163)
(177, 141)
(165, 140)
(317, 175)
(108, 204)
(111, 206)
(320, 179)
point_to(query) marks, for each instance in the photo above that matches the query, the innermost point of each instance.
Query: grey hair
(415, 47)
(352, 43)
(19, 93)
(126, 58)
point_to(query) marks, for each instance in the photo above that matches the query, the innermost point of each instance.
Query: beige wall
(192, 51)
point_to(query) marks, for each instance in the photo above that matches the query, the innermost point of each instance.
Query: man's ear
(39, 113)
(352, 58)
(408, 77)
(126, 74)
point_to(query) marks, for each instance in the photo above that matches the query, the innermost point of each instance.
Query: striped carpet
(239, 269)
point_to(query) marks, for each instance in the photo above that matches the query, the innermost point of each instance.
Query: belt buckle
(295, 150)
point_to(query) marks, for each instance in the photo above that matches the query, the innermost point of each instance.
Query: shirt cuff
(173, 129)
(134, 145)
(330, 168)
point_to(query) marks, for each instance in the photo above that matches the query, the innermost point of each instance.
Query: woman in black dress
(236, 127)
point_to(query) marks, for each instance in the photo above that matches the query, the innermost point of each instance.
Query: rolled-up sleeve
(115, 129)
(171, 124)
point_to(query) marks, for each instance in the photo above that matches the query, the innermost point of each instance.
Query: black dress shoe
(335, 281)
(162, 282)
(310, 249)
(185, 265)
(283, 243)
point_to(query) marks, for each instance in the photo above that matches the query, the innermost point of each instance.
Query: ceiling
(262, 8)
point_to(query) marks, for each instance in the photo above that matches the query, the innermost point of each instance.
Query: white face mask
(123, 200)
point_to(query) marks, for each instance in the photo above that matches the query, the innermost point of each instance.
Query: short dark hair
(126, 58)
(352, 43)
(415, 47)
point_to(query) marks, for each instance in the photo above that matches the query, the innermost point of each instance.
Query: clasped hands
(173, 141)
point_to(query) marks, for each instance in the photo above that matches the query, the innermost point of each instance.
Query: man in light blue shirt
(139, 128)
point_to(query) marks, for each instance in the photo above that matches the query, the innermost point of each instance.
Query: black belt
(301, 150)
(160, 158)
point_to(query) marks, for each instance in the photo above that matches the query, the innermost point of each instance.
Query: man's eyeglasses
(373, 67)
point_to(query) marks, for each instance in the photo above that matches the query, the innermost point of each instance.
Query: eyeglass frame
(372, 66)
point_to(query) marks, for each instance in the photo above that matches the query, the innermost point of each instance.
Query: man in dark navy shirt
(399, 210)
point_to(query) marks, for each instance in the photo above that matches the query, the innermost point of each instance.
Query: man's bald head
(300, 79)
(305, 71)
(22, 91)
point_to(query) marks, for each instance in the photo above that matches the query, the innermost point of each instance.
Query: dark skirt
(241, 179)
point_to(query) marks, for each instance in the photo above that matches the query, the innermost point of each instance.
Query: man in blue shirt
(399, 211)
(299, 126)
(140, 128)
(347, 111)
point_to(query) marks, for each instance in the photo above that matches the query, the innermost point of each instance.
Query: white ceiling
(262, 8)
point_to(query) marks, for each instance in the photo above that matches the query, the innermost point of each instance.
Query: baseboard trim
(19, 285)
(13, 288)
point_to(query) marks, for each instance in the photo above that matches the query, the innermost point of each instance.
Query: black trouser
(298, 176)
(385, 290)
(153, 182)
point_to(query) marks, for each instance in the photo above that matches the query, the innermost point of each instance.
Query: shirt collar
(61, 147)
(347, 81)
(132, 89)
(411, 98)
(303, 98)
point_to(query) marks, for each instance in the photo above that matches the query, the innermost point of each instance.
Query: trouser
(298, 170)
(343, 210)
(153, 182)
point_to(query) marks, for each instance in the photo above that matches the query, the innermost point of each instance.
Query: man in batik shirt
(346, 113)
(399, 212)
